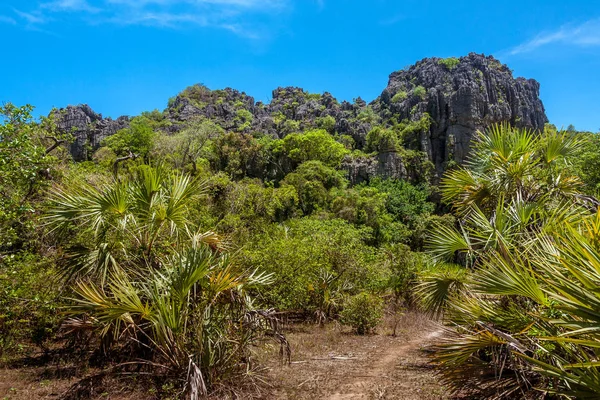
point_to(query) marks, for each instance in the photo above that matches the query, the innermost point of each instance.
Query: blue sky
(127, 56)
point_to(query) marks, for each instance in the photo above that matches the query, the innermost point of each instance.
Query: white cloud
(583, 35)
(231, 15)
(69, 5)
(32, 18)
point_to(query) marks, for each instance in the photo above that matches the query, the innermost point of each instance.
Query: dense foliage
(525, 310)
(175, 245)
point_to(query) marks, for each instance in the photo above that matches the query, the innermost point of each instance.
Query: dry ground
(327, 363)
(332, 363)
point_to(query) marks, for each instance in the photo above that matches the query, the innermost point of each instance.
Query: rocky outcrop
(390, 164)
(455, 97)
(87, 127)
(461, 96)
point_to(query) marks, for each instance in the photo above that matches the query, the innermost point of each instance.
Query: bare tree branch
(130, 156)
(57, 142)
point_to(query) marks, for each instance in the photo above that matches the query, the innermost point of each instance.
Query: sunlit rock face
(461, 96)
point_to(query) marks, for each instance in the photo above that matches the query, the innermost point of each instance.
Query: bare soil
(332, 363)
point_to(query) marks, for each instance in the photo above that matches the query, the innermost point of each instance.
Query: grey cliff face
(459, 96)
(461, 99)
(88, 128)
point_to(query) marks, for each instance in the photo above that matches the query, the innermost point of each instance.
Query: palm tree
(124, 223)
(150, 283)
(525, 313)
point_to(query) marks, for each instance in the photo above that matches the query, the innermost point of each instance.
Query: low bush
(362, 312)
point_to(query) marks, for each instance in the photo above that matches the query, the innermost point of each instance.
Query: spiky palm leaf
(534, 293)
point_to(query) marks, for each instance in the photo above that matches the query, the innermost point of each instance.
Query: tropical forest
(441, 241)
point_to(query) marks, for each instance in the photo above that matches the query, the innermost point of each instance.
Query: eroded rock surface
(459, 96)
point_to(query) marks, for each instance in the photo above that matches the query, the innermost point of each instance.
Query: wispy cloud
(232, 15)
(69, 6)
(32, 18)
(586, 34)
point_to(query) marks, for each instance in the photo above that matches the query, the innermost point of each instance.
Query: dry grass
(332, 363)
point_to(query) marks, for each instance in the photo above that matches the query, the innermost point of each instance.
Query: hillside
(457, 97)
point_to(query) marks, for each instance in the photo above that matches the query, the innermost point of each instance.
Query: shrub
(314, 262)
(382, 140)
(29, 301)
(243, 119)
(405, 202)
(400, 96)
(362, 312)
(450, 62)
(327, 123)
(420, 91)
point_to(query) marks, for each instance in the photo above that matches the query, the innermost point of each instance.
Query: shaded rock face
(461, 97)
(87, 127)
(389, 164)
(385, 165)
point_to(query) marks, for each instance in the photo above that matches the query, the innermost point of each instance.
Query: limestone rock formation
(461, 96)
(457, 97)
(88, 128)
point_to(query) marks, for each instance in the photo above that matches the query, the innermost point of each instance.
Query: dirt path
(384, 368)
(336, 365)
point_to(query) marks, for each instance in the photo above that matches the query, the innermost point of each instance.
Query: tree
(136, 139)
(25, 168)
(521, 312)
(313, 181)
(313, 145)
(150, 281)
(187, 146)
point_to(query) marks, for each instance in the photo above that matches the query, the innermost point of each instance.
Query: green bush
(382, 140)
(400, 96)
(327, 123)
(314, 262)
(138, 138)
(450, 62)
(29, 302)
(420, 91)
(362, 312)
(314, 145)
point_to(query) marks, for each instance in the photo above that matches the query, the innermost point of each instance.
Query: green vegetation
(137, 139)
(420, 92)
(180, 246)
(363, 312)
(450, 62)
(313, 145)
(400, 96)
(530, 242)
(382, 140)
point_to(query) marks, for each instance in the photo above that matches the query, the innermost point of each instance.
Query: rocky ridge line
(459, 96)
